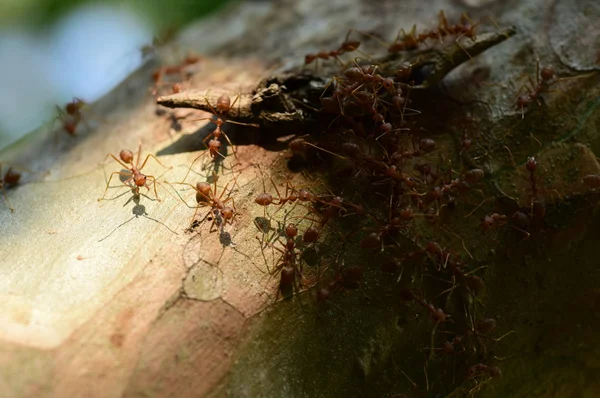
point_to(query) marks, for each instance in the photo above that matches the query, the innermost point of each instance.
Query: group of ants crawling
(373, 141)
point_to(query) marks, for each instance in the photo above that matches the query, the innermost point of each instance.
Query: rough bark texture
(115, 298)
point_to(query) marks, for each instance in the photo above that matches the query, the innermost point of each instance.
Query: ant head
(223, 103)
(524, 100)
(177, 88)
(126, 156)
(547, 73)
(291, 231)
(214, 144)
(191, 59)
(404, 71)
(72, 108)
(11, 177)
(350, 45)
(139, 179)
(531, 164)
(227, 213)
(309, 58)
(304, 196)
(438, 315)
(406, 213)
(290, 245)
(388, 83)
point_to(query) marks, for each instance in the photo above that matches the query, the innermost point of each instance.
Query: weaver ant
(10, 179)
(347, 46)
(544, 79)
(223, 106)
(181, 69)
(71, 115)
(133, 171)
(207, 196)
(287, 263)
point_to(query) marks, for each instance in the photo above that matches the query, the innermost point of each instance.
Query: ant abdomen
(264, 199)
(126, 155)
(311, 235)
(223, 103)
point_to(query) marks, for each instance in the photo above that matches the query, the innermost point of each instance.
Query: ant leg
(243, 124)
(186, 203)
(193, 217)
(191, 165)
(234, 101)
(154, 184)
(229, 142)
(108, 182)
(155, 158)
(213, 110)
(116, 160)
(139, 155)
(6, 197)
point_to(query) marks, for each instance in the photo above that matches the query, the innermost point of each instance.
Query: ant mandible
(133, 171)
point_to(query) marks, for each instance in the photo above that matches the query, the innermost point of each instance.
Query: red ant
(207, 196)
(158, 74)
(288, 265)
(541, 85)
(347, 46)
(133, 171)
(494, 221)
(224, 105)
(10, 179)
(71, 115)
(544, 79)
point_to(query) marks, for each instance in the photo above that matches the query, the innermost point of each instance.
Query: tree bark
(117, 298)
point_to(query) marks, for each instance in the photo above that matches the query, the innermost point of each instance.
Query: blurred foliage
(166, 16)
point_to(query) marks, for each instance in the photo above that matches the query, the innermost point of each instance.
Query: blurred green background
(54, 50)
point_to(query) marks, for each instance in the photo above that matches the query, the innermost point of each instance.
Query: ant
(10, 179)
(223, 106)
(288, 263)
(544, 79)
(158, 74)
(133, 171)
(71, 115)
(291, 195)
(347, 46)
(207, 196)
